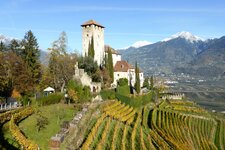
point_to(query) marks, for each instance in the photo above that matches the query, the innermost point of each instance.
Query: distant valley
(197, 66)
(181, 54)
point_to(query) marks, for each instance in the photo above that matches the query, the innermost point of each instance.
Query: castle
(92, 29)
(122, 69)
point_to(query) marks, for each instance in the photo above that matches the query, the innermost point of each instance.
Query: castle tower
(93, 29)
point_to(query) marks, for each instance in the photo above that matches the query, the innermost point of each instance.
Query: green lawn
(56, 114)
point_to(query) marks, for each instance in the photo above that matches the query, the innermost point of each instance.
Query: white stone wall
(98, 35)
(115, 57)
(119, 75)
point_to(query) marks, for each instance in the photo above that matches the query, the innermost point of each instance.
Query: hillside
(170, 125)
(180, 55)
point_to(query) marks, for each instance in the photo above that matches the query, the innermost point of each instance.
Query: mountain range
(182, 53)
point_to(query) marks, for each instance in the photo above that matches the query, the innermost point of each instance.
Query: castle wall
(86, 80)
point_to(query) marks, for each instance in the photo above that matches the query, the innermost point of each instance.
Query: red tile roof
(92, 22)
(122, 66)
(107, 48)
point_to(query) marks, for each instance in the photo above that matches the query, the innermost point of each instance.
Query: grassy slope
(56, 114)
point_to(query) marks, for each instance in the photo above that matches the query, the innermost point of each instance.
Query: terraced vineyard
(14, 117)
(170, 125)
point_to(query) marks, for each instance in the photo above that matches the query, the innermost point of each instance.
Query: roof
(107, 48)
(49, 89)
(92, 22)
(122, 66)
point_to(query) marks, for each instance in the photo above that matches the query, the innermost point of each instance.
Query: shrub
(25, 100)
(50, 99)
(107, 94)
(77, 92)
(123, 81)
(123, 90)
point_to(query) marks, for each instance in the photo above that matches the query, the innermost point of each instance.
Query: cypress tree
(151, 83)
(137, 84)
(106, 62)
(110, 64)
(91, 50)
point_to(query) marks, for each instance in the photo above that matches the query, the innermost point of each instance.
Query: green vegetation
(30, 53)
(110, 64)
(122, 94)
(90, 66)
(108, 94)
(61, 65)
(135, 101)
(137, 82)
(50, 99)
(123, 82)
(56, 115)
(123, 90)
(146, 83)
(77, 92)
(91, 50)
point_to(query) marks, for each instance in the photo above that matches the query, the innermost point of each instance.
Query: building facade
(123, 69)
(116, 56)
(92, 29)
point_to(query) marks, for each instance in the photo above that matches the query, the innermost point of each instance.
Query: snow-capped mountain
(140, 44)
(6, 40)
(137, 45)
(186, 35)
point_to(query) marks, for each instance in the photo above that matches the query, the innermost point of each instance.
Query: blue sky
(126, 21)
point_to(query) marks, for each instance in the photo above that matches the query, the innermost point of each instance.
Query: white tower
(93, 29)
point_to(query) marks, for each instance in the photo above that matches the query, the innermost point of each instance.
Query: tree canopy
(61, 64)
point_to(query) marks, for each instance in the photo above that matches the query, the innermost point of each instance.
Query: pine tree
(14, 46)
(137, 84)
(110, 64)
(91, 50)
(30, 54)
